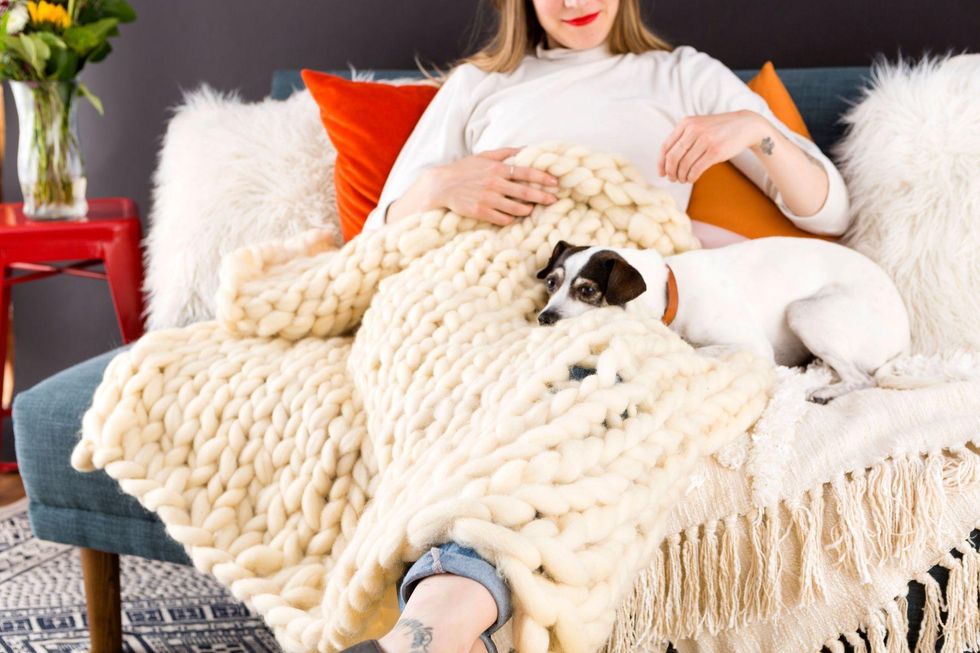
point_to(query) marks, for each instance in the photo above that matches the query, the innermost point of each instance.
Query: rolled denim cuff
(452, 558)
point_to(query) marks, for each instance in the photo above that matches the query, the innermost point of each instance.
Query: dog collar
(670, 312)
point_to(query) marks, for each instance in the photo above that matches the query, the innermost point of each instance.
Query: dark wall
(744, 33)
(236, 44)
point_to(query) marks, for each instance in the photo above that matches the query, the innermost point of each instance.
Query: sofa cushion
(368, 124)
(911, 159)
(68, 506)
(231, 174)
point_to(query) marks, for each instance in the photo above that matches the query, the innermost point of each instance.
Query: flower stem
(52, 141)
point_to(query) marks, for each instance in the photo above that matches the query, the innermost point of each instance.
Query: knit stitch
(350, 408)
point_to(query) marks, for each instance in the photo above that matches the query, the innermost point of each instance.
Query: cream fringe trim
(891, 511)
(886, 629)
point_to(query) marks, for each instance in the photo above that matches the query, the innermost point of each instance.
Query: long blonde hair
(518, 32)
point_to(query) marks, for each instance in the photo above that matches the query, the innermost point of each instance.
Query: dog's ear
(556, 253)
(624, 282)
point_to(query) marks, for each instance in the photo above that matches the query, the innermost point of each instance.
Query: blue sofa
(90, 511)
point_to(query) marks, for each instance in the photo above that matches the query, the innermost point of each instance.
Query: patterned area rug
(165, 607)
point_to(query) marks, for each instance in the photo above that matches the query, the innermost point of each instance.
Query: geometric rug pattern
(165, 607)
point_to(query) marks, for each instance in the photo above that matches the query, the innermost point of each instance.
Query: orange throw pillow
(724, 197)
(368, 124)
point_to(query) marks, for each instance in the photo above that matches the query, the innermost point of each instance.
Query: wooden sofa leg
(101, 573)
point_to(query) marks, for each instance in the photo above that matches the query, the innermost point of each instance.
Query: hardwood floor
(11, 488)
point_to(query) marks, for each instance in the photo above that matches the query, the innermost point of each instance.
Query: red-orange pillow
(368, 124)
(724, 197)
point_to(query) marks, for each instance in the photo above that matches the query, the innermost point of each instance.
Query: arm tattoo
(421, 634)
(767, 144)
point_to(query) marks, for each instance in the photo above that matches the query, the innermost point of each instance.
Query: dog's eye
(551, 283)
(587, 291)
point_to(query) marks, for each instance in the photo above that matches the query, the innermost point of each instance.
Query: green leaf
(100, 53)
(53, 40)
(12, 48)
(10, 67)
(9, 71)
(31, 49)
(40, 47)
(87, 13)
(85, 38)
(118, 9)
(96, 102)
(63, 64)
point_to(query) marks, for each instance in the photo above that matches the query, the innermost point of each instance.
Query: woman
(606, 82)
(610, 85)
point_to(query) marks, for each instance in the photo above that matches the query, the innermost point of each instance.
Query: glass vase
(49, 160)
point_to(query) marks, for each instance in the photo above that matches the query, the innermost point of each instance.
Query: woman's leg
(452, 600)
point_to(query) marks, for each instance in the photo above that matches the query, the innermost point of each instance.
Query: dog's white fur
(781, 298)
(911, 160)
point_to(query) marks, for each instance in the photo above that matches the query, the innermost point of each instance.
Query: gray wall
(236, 44)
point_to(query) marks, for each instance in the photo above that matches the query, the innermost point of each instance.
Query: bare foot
(445, 614)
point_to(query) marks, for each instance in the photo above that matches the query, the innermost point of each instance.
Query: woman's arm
(699, 142)
(801, 179)
(417, 198)
(795, 174)
(438, 137)
(804, 183)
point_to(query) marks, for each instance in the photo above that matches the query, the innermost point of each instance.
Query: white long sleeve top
(626, 103)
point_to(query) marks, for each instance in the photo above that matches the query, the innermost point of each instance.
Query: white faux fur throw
(911, 160)
(350, 408)
(231, 174)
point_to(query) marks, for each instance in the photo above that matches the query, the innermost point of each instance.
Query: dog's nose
(547, 317)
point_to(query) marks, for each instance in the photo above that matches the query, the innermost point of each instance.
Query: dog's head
(580, 278)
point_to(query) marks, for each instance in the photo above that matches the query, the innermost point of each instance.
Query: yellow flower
(47, 12)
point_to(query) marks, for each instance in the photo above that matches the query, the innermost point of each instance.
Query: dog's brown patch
(561, 252)
(618, 281)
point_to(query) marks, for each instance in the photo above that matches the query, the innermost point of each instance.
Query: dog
(785, 299)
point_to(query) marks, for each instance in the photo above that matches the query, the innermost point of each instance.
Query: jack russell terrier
(785, 299)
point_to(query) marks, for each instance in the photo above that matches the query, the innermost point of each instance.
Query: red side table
(109, 234)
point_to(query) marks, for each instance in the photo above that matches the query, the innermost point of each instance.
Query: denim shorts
(462, 561)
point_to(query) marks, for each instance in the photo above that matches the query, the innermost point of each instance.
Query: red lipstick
(584, 20)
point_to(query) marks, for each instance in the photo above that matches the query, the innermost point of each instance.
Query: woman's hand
(480, 186)
(699, 142)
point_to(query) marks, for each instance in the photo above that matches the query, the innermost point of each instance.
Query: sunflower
(47, 12)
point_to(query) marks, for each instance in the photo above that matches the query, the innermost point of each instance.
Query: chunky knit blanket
(350, 408)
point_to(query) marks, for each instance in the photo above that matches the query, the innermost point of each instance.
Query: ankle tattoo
(421, 634)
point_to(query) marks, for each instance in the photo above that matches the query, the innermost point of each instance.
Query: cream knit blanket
(350, 408)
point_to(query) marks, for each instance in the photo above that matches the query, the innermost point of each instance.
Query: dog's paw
(827, 393)
(817, 398)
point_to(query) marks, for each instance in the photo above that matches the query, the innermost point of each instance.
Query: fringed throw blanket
(350, 408)
(806, 531)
